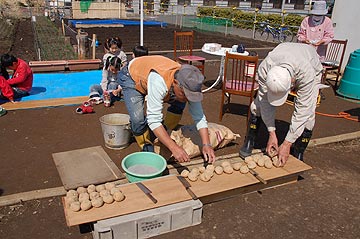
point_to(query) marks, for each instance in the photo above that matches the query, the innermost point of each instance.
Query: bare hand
(284, 152)
(272, 144)
(208, 153)
(117, 91)
(180, 155)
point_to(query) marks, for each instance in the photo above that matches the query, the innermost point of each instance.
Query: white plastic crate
(151, 222)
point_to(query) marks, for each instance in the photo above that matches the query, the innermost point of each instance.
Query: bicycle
(281, 34)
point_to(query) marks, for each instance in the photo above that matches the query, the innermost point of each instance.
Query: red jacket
(22, 77)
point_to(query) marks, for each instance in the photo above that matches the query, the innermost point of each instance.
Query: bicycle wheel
(261, 35)
(286, 36)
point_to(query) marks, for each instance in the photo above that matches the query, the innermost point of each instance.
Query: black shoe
(250, 137)
(301, 144)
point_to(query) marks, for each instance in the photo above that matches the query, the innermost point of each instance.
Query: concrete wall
(99, 10)
(346, 20)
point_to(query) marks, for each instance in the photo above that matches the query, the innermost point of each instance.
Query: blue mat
(116, 21)
(62, 85)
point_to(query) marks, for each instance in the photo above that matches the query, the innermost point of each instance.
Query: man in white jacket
(289, 66)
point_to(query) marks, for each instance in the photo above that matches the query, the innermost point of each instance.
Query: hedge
(245, 20)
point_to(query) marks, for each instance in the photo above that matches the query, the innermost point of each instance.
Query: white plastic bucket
(116, 130)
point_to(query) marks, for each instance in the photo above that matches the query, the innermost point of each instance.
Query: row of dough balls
(93, 196)
(205, 174)
(263, 160)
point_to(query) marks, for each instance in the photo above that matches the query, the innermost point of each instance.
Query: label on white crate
(155, 225)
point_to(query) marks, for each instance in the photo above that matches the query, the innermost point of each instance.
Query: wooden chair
(334, 59)
(183, 47)
(239, 78)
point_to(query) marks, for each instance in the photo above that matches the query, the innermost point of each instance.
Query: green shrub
(246, 20)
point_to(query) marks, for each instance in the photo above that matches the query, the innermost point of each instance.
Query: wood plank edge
(31, 195)
(249, 189)
(44, 103)
(334, 139)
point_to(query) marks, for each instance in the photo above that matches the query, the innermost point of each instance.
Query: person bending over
(289, 66)
(163, 80)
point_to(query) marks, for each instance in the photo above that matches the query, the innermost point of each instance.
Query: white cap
(278, 83)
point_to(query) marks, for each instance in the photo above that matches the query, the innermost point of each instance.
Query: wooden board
(45, 103)
(169, 190)
(225, 182)
(83, 167)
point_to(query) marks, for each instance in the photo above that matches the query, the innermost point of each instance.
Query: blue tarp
(62, 85)
(115, 21)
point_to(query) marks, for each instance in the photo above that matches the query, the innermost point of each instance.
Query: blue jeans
(18, 93)
(134, 102)
(96, 90)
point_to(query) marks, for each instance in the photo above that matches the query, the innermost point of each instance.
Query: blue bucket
(350, 83)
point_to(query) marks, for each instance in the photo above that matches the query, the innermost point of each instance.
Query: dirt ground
(322, 205)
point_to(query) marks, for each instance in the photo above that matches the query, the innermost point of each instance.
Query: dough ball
(195, 171)
(265, 157)
(261, 162)
(225, 163)
(104, 193)
(108, 199)
(81, 190)
(118, 196)
(185, 173)
(114, 190)
(210, 167)
(75, 206)
(193, 176)
(268, 163)
(94, 195)
(236, 166)
(71, 199)
(91, 188)
(100, 187)
(205, 177)
(209, 172)
(85, 205)
(72, 193)
(219, 170)
(249, 159)
(276, 161)
(97, 202)
(84, 197)
(256, 157)
(244, 169)
(251, 164)
(201, 169)
(228, 170)
(109, 186)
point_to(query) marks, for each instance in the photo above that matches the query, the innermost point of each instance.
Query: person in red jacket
(20, 84)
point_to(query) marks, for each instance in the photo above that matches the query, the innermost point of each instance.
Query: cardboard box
(151, 222)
